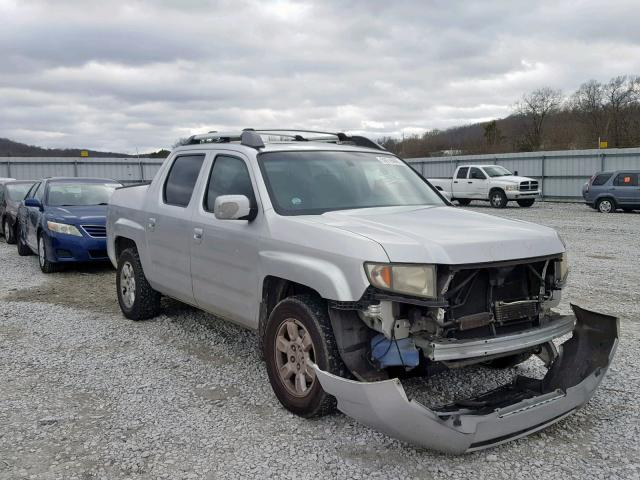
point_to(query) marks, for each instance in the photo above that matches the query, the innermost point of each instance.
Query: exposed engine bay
(481, 313)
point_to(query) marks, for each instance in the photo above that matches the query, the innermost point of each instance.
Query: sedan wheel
(45, 265)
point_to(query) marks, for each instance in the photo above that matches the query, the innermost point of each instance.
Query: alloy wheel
(605, 206)
(294, 357)
(42, 256)
(127, 285)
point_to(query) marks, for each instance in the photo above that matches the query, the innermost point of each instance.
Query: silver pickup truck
(356, 273)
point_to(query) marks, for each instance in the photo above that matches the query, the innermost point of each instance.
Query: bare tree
(588, 104)
(535, 107)
(621, 95)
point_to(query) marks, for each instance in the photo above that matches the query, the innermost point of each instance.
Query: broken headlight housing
(410, 279)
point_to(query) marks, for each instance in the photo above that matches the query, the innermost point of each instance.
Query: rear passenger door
(224, 253)
(168, 227)
(625, 186)
(459, 185)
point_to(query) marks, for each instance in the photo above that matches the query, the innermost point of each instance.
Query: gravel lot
(85, 393)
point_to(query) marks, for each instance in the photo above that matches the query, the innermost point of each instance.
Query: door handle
(469, 182)
(151, 224)
(197, 234)
(455, 181)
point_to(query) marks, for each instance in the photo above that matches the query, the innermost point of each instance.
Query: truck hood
(512, 179)
(445, 235)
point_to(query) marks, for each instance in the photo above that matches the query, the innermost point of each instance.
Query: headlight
(510, 188)
(63, 228)
(418, 280)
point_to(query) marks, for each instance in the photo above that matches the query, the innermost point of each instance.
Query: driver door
(477, 183)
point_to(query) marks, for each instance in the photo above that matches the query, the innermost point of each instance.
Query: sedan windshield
(304, 183)
(497, 171)
(80, 194)
(17, 191)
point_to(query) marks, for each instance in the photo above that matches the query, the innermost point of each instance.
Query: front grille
(530, 186)
(98, 253)
(95, 231)
(510, 311)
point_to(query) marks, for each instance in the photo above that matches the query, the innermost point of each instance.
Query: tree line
(544, 119)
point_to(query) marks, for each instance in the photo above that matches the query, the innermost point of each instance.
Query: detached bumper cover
(509, 412)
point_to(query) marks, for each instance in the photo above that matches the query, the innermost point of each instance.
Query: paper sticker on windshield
(390, 160)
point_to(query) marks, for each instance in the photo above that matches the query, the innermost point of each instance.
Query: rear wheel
(138, 301)
(45, 265)
(498, 199)
(527, 202)
(23, 248)
(298, 335)
(463, 201)
(606, 205)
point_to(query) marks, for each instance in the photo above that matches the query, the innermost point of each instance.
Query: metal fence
(560, 173)
(125, 170)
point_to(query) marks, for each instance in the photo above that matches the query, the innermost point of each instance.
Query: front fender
(328, 279)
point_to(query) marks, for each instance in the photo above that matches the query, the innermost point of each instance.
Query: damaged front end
(506, 413)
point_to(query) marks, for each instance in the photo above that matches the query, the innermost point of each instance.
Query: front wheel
(45, 265)
(298, 335)
(527, 202)
(498, 199)
(138, 301)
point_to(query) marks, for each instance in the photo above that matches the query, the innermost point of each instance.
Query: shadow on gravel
(83, 287)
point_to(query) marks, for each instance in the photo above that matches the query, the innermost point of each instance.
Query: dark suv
(609, 191)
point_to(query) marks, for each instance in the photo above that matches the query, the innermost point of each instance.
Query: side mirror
(516, 173)
(33, 202)
(231, 207)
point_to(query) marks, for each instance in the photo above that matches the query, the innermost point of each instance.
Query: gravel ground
(85, 393)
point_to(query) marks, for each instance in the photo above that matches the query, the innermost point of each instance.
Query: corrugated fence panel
(126, 170)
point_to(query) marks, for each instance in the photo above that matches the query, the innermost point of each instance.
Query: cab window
(229, 176)
(462, 172)
(181, 180)
(476, 173)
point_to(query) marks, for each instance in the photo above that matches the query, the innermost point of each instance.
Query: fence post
(9, 168)
(602, 161)
(141, 171)
(75, 168)
(542, 177)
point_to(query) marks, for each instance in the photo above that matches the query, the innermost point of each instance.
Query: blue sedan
(63, 220)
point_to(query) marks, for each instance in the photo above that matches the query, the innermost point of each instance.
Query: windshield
(304, 183)
(17, 191)
(497, 171)
(80, 194)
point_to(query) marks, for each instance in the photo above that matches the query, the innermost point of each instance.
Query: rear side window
(229, 176)
(601, 179)
(626, 180)
(181, 180)
(462, 172)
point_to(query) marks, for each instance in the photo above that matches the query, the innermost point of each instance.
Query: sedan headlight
(510, 188)
(64, 228)
(418, 280)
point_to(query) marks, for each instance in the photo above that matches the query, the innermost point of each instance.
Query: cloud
(141, 73)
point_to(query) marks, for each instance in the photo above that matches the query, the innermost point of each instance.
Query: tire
(23, 248)
(308, 316)
(45, 265)
(9, 233)
(526, 202)
(508, 362)
(463, 201)
(138, 301)
(606, 205)
(498, 198)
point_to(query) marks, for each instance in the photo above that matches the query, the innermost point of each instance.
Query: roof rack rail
(251, 137)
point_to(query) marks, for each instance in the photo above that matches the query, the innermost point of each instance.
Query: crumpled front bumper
(506, 413)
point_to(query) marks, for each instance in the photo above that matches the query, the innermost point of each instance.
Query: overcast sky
(140, 74)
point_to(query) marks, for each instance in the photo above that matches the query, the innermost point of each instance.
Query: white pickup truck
(488, 182)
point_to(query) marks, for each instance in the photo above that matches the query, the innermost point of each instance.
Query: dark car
(11, 194)
(63, 221)
(610, 191)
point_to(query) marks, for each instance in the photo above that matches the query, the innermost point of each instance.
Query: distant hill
(10, 148)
